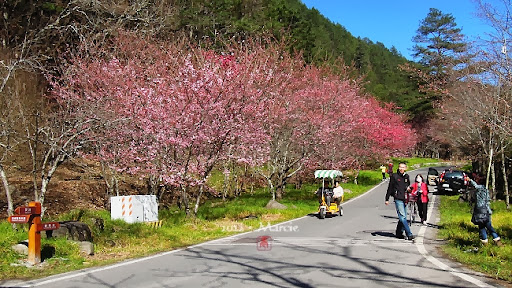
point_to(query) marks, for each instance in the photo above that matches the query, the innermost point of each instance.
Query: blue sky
(394, 22)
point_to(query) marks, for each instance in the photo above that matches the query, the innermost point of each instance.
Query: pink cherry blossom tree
(172, 112)
(323, 120)
(171, 115)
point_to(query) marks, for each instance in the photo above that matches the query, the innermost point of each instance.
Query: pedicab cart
(328, 206)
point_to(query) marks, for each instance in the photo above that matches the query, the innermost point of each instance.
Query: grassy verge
(415, 162)
(463, 240)
(118, 240)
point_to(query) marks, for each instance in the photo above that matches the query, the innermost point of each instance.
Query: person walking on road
(390, 168)
(383, 169)
(482, 213)
(398, 184)
(420, 188)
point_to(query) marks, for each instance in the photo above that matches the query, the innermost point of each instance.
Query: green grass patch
(216, 180)
(464, 243)
(467, 167)
(415, 162)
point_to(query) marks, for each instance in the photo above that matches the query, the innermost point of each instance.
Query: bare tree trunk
(244, 179)
(55, 162)
(152, 185)
(493, 178)
(298, 184)
(279, 186)
(225, 184)
(44, 185)
(33, 150)
(5, 182)
(184, 200)
(271, 187)
(116, 186)
(279, 193)
(110, 180)
(270, 184)
(237, 188)
(106, 179)
(32, 147)
(196, 207)
(283, 176)
(505, 178)
(489, 168)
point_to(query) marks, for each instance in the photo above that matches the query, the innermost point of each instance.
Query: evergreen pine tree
(439, 44)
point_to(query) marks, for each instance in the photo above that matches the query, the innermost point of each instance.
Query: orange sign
(24, 210)
(48, 226)
(32, 214)
(18, 218)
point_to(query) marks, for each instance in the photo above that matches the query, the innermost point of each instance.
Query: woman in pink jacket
(420, 188)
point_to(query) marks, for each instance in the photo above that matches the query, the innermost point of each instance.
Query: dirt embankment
(76, 184)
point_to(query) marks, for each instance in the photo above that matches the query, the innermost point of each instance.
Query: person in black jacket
(398, 185)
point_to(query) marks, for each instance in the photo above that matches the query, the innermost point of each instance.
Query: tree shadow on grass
(506, 233)
(47, 252)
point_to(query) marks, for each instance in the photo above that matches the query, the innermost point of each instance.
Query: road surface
(357, 249)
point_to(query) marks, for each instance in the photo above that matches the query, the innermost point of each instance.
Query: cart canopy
(328, 174)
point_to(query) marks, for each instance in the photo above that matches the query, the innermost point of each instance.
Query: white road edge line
(437, 262)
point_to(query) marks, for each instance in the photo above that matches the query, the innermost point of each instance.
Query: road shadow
(221, 266)
(446, 193)
(383, 234)
(263, 269)
(326, 215)
(389, 217)
(434, 226)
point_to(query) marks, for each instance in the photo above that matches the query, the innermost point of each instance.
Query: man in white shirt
(338, 193)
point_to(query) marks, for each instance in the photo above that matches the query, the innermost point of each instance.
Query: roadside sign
(32, 214)
(24, 210)
(18, 219)
(48, 226)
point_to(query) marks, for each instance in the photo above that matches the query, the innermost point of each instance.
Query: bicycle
(412, 208)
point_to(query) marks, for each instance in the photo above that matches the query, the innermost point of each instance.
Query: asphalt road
(357, 249)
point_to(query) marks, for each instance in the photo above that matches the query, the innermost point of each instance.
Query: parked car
(432, 177)
(452, 181)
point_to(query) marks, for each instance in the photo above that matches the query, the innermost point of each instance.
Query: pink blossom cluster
(176, 111)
